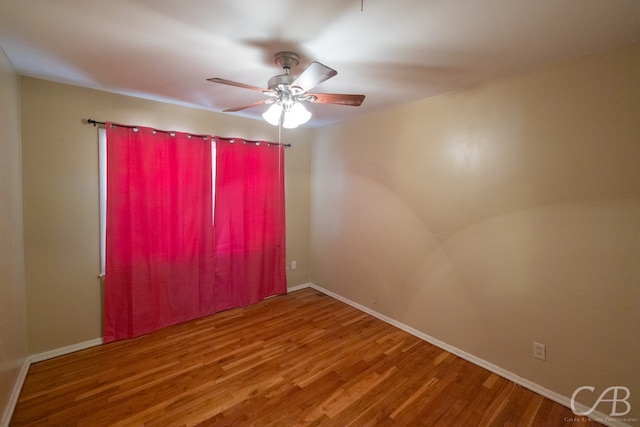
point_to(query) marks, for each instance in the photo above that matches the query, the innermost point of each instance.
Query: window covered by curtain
(250, 222)
(167, 260)
(159, 241)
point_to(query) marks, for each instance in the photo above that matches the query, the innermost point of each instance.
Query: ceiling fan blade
(337, 98)
(244, 107)
(232, 83)
(313, 75)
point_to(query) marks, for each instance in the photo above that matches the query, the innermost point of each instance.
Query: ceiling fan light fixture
(299, 113)
(296, 116)
(272, 115)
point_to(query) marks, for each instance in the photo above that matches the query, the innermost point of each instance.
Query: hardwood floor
(303, 359)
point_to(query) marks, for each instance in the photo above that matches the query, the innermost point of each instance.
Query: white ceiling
(392, 51)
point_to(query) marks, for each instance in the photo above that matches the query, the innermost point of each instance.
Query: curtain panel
(160, 254)
(249, 222)
(169, 257)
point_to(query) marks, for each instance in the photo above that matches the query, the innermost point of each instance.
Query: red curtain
(167, 260)
(160, 242)
(249, 222)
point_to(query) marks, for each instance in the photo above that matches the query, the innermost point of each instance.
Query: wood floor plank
(302, 359)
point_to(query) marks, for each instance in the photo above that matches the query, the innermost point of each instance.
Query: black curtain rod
(96, 123)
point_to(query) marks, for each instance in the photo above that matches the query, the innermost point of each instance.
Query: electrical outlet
(539, 351)
(294, 265)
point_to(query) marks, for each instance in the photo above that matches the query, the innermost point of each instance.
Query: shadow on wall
(544, 273)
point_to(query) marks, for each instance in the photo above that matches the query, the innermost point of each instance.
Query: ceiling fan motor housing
(287, 60)
(281, 79)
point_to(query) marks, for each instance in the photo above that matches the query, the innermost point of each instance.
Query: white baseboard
(536, 388)
(298, 287)
(64, 350)
(13, 399)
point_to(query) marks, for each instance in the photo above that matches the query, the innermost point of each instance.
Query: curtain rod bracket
(95, 123)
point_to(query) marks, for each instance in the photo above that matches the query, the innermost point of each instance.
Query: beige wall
(496, 216)
(61, 198)
(487, 218)
(13, 349)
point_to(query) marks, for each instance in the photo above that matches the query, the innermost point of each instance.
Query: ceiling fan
(287, 92)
